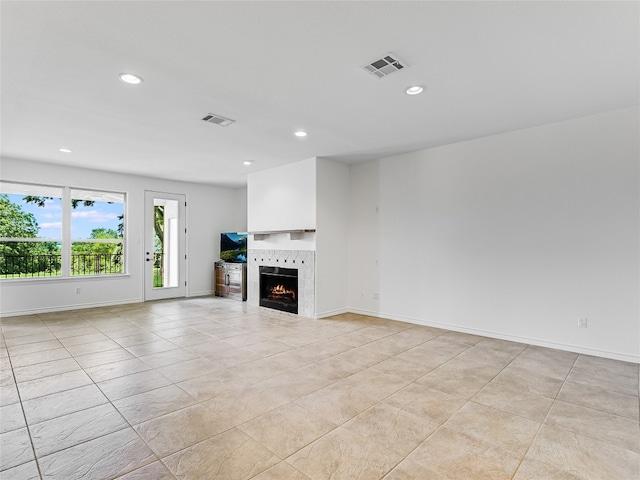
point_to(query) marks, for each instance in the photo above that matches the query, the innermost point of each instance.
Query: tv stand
(230, 280)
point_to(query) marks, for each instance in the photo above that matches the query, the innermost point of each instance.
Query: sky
(83, 219)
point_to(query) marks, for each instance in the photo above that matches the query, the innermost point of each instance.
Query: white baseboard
(200, 294)
(331, 313)
(62, 308)
(512, 338)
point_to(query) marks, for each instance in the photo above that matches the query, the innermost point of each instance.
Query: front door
(165, 240)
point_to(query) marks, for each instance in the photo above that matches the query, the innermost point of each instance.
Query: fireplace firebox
(279, 288)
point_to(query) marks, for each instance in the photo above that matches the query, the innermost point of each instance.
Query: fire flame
(280, 290)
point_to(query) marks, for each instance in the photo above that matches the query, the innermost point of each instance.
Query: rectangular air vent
(218, 120)
(386, 65)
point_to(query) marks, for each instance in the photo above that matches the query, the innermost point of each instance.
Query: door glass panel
(165, 243)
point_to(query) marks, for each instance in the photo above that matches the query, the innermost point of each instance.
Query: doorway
(164, 246)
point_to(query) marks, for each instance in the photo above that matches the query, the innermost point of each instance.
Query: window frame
(67, 240)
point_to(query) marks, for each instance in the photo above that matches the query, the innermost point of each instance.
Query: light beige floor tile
(63, 403)
(514, 400)
(39, 357)
(25, 339)
(8, 394)
(153, 471)
(179, 372)
(488, 425)
(450, 455)
(153, 347)
(53, 384)
(136, 339)
(133, 384)
(536, 470)
(183, 428)
(337, 403)
(613, 367)
(292, 385)
(154, 403)
(34, 347)
(69, 430)
(75, 330)
(605, 379)
(46, 369)
(281, 471)
(344, 454)
(11, 418)
(246, 403)
(26, 471)
(116, 369)
(102, 358)
(232, 454)
(599, 399)
(82, 339)
(104, 457)
(391, 427)
(587, 458)
(459, 380)
(287, 429)
(620, 431)
(559, 356)
(528, 381)
(15, 448)
(332, 368)
(409, 470)
(426, 402)
(170, 357)
(544, 366)
(373, 383)
(409, 371)
(95, 347)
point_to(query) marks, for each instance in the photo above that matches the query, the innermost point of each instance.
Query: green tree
(23, 257)
(97, 257)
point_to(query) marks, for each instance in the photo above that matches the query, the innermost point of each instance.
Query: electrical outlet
(582, 322)
(77, 290)
(376, 296)
(361, 294)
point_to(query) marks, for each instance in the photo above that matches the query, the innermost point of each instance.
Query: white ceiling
(274, 67)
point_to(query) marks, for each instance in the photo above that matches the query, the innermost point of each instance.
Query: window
(48, 231)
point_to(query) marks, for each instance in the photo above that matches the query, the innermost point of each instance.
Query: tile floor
(210, 388)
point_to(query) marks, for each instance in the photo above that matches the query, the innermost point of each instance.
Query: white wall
(282, 198)
(364, 237)
(332, 237)
(514, 236)
(210, 211)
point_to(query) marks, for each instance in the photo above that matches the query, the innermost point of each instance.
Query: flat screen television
(233, 247)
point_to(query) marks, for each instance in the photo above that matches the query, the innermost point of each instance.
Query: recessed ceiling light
(64, 150)
(130, 78)
(300, 133)
(247, 163)
(414, 90)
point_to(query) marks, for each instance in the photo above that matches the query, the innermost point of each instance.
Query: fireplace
(279, 288)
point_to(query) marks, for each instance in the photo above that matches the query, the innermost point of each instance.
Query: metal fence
(29, 266)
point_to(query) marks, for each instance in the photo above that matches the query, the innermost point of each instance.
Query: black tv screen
(233, 247)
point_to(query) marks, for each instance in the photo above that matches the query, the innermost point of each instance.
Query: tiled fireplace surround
(302, 260)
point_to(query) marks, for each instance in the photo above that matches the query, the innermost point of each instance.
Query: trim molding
(62, 308)
(485, 333)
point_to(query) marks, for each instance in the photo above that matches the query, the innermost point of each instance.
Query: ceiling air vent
(218, 120)
(388, 64)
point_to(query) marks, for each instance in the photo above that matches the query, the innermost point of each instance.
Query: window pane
(30, 211)
(96, 215)
(30, 259)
